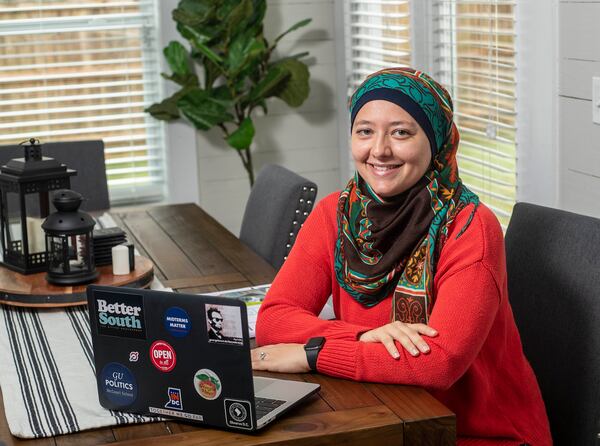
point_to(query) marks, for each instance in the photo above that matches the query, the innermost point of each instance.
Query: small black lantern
(25, 184)
(69, 241)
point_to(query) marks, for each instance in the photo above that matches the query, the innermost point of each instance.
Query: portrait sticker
(207, 384)
(118, 384)
(224, 324)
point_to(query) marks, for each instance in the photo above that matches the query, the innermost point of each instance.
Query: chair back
(278, 205)
(553, 262)
(86, 157)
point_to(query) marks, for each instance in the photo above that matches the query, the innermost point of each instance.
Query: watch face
(314, 343)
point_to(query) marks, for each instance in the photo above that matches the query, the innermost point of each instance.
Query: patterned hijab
(393, 243)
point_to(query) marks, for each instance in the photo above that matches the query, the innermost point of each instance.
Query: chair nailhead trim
(306, 201)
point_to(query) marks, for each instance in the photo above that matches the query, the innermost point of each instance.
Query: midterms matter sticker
(118, 384)
(207, 384)
(177, 322)
(163, 356)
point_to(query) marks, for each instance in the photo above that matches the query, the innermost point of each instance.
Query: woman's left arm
(465, 309)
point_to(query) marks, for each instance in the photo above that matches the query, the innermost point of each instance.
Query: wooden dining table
(193, 253)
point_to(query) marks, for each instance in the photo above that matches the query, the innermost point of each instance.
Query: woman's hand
(282, 358)
(408, 335)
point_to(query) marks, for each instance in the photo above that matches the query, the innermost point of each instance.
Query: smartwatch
(312, 349)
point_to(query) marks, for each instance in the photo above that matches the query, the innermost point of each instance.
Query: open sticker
(224, 324)
(207, 384)
(163, 356)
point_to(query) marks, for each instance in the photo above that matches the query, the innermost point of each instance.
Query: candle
(120, 260)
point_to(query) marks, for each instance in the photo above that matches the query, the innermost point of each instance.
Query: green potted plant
(238, 74)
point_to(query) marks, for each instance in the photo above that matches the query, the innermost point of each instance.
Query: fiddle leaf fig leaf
(294, 27)
(243, 51)
(271, 84)
(194, 12)
(177, 58)
(198, 41)
(242, 137)
(167, 110)
(296, 89)
(202, 111)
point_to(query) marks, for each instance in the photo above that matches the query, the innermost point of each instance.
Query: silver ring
(262, 356)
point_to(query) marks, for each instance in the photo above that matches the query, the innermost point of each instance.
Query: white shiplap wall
(579, 147)
(305, 140)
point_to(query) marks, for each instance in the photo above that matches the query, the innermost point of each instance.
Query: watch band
(313, 348)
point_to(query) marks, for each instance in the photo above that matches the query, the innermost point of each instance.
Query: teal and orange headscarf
(393, 244)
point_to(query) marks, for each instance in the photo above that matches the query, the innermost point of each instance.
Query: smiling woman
(416, 269)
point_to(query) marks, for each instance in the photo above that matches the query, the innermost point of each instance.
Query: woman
(416, 269)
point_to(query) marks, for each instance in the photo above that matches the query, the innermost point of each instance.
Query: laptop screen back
(170, 354)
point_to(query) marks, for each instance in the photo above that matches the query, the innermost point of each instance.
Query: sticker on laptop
(134, 356)
(175, 401)
(238, 413)
(118, 384)
(207, 384)
(224, 324)
(163, 356)
(120, 314)
(175, 413)
(177, 322)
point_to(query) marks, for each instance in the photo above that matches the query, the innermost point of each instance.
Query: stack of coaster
(104, 239)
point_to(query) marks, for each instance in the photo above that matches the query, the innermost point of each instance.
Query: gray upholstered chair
(278, 205)
(553, 260)
(86, 157)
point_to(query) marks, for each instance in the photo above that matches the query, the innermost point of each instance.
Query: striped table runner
(47, 371)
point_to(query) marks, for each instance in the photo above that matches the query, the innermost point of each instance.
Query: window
(472, 53)
(379, 37)
(76, 70)
(475, 60)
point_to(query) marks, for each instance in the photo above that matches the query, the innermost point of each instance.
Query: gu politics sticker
(237, 413)
(177, 322)
(175, 401)
(120, 315)
(163, 356)
(207, 384)
(118, 384)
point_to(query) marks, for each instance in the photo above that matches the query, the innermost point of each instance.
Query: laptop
(182, 356)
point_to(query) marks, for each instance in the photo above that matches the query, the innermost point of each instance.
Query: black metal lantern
(69, 241)
(25, 184)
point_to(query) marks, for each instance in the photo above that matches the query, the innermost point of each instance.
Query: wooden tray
(34, 291)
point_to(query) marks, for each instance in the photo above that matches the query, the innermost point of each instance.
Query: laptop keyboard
(266, 405)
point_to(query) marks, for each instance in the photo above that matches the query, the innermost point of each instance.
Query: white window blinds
(76, 70)
(378, 36)
(475, 60)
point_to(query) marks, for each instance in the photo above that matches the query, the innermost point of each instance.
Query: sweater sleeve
(301, 289)
(462, 315)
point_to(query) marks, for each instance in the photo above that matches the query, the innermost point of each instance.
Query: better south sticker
(163, 356)
(207, 384)
(118, 384)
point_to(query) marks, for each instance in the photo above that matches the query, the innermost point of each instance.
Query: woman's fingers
(407, 335)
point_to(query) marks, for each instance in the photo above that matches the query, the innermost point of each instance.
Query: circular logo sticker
(177, 322)
(118, 384)
(207, 384)
(162, 356)
(238, 412)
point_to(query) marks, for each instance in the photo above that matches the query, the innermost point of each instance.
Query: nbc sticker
(163, 356)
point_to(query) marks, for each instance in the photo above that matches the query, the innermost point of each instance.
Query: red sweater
(476, 365)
